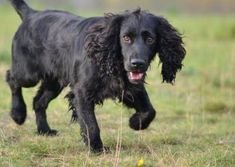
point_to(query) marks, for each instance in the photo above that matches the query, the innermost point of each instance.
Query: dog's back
(42, 41)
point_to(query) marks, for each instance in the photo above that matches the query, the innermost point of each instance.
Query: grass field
(195, 125)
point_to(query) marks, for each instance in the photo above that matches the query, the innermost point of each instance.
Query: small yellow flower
(140, 162)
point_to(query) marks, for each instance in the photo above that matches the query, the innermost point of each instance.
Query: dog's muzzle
(137, 70)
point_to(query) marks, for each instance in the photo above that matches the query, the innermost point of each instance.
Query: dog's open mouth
(135, 77)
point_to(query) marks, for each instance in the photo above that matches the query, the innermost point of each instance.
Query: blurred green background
(195, 125)
(179, 6)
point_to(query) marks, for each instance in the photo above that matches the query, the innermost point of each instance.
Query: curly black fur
(98, 57)
(171, 51)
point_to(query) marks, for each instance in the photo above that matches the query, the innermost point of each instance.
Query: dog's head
(137, 37)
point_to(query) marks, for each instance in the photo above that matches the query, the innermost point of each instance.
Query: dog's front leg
(90, 131)
(145, 112)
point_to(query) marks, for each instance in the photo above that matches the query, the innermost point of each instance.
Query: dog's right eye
(150, 40)
(126, 39)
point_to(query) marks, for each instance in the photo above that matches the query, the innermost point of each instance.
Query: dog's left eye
(150, 40)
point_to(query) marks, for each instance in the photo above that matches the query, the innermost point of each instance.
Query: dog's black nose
(137, 63)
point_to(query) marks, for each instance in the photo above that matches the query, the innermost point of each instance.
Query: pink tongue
(136, 76)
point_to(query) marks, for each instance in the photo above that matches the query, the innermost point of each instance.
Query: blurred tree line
(177, 6)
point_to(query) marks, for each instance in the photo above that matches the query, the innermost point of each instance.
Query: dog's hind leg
(47, 92)
(18, 109)
(16, 82)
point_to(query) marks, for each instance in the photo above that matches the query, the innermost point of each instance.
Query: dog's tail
(21, 8)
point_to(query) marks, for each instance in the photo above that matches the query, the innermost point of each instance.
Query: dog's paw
(18, 114)
(140, 121)
(48, 132)
(101, 150)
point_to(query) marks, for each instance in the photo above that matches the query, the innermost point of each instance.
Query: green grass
(195, 122)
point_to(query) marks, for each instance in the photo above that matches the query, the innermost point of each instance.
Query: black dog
(98, 57)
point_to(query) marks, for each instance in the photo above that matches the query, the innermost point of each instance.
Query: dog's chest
(110, 88)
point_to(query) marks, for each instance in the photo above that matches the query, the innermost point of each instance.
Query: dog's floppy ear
(103, 37)
(102, 43)
(170, 48)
